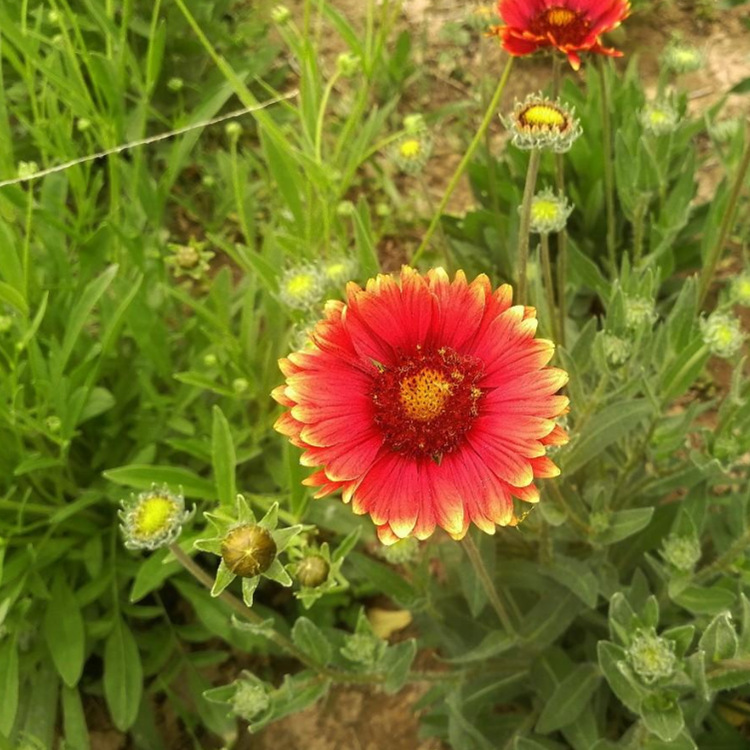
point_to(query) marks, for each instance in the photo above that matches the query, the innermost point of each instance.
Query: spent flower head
(153, 519)
(549, 212)
(247, 548)
(189, 260)
(659, 118)
(539, 122)
(722, 334)
(681, 552)
(651, 657)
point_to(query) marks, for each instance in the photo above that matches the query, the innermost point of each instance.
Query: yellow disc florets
(301, 287)
(549, 212)
(153, 519)
(541, 123)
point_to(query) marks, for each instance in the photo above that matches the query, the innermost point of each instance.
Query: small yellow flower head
(739, 290)
(659, 118)
(411, 153)
(639, 312)
(681, 58)
(189, 260)
(681, 552)
(541, 123)
(549, 212)
(722, 334)
(280, 14)
(339, 271)
(153, 519)
(651, 657)
(348, 65)
(301, 287)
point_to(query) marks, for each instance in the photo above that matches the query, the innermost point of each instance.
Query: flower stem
(549, 286)
(709, 268)
(479, 135)
(523, 228)
(725, 560)
(609, 178)
(489, 587)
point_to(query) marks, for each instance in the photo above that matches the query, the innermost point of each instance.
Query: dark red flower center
(426, 403)
(561, 25)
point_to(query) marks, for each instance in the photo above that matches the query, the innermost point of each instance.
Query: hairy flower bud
(682, 552)
(651, 657)
(739, 290)
(249, 700)
(639, 312)
(248, 550)
(541, 123)
(722, 334)
(659, 118)
(549, 212)
(682, 58)
(313, 571)
(153, 519)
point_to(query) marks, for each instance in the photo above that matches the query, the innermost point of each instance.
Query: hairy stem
(549, 286)
(609, 177)
(489, 587)
(523, 228)
(479, 135)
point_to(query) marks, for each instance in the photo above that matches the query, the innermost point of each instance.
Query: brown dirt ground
(361, 718)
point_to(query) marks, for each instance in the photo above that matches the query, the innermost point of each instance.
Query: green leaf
(223, 458)
(153, 571)
(14, 298)
(74, 720)
(9, 685)
(64, 632)
(611, 424)
(309, 638)
(704, 601)
(663, 717)
(368, 256)
(629, 693)
(396, 663)
(494, 643)
(123, 675)
(99, 400)
(286, 177)
(570, 699)
(719, 640)
(142, 477)
(79, 315)
(576, 576)
(384, 579)
(625, 523)
(295, 694)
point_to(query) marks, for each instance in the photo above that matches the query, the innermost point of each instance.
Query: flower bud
(616, 350)
(362, 648)
(639, 312)
(403, 551)
(345, 208)
(53, 423)
(414, 124)
(210, 360)
(313, 571)
(175, 84)
(651, 657)
(249, 700)
(348, 64)
(410, 154)
(682, 552)
(549, 212)
(83, 124)
(739, 290)
(240, 385)
(339, 270)
(301, 287)
(154, 519)
(248, 550)
(27, 168)
(724, 130)
(682, 58)
(280, 14)
(722, 334)
(541, 123)
(233, 130)
(659, 118)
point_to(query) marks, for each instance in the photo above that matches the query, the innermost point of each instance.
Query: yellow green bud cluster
(189, 260)
(617, 350)
(539, 122)
(250, 700)
(681, 552)
(249, 549)
(549, 212)
(410, 153)
(681, 58)
(659, 118)
(651, 657)
(739, 290)
(153, 519)
(301, 286)
(639, 312)
(338, 271)
(722, 334)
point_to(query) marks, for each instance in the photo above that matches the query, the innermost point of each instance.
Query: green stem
(609, 178)
(525, 223)
(709, 268)
(724, 561)
(549, 286)
(479, 135)
(489, 587)
(322, 116)
(238, 197)
(640, 215)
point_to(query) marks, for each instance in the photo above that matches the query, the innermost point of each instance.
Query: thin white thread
(146, 141)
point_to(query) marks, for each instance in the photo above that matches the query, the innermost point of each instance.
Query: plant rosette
(248, 548)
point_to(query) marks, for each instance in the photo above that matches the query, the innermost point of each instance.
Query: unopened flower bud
(616, 350)
(411, 153)
(301, 287)
(724, 130)
(348, 64)
(541, 123)
(248, 550)
(682, 552)
(659, 118)
(414, 124)
(600, 522)
(53, 424)
(549, 212)
(233, 130)
(722, 334)
(682, 58)
(739, 290)
(280, 14)
(313, 571)
(403, 551)
(153, 519)
(651, 657)
(345, 208)
(240, 385)
(27, 168)
(249, 700)
(210, 360)
(362, 648)
(175, 84)
(83, 124)
(639, 312)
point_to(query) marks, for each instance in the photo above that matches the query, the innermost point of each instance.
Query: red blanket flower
(426, 402)
(572, 26)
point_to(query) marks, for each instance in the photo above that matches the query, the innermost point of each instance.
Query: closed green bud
(681, 552)
(739, 290)
(651, 657)
(659, 118)
(250, 700)
(313, 571)
(248, 550)
(348, 65)
(549, 212)
(722, 334)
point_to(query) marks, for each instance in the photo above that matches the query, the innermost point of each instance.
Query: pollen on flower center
(562, 26)
(410, 149)
(559, 16)
(423, 395)
(543, 116)
(154, 514)
(545, 210)
(427, 402)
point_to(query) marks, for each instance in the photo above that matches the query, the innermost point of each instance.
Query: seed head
(248, 550)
